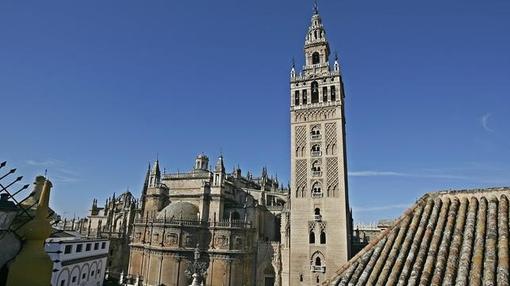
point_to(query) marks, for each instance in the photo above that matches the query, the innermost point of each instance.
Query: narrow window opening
(318, 261)
(296, 98)
(305, 97)
(316, 58)
(333, 93)
(324, 94)
(323, 237)
(315, 92)
(311, 237)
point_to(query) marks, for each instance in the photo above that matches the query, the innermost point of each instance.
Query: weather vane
(315, 7)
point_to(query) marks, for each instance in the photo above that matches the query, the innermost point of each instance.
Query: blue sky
(93, 90)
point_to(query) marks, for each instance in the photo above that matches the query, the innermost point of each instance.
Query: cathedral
(208, 226)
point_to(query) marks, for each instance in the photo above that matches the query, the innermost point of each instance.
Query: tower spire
(315, 8)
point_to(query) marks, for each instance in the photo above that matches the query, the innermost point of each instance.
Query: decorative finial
(336, 56)
(315, 7)
(293, 63)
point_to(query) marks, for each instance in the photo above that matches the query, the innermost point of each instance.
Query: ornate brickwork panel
(300, 140)
(311, 226)
(332, 176)
(301, 177)
(330, 138)
(314, 114)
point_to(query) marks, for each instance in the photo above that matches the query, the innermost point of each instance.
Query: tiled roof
(446, 238)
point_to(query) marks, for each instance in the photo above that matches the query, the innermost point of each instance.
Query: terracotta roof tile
(446, 238)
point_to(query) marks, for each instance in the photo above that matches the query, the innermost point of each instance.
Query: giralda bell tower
(320, 220)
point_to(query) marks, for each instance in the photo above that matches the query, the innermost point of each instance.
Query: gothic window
(311, 237)
(324, 94)
(304, 101)
(296, 98)
(315, 92)
(316, 58)
(315, 35)
(323, 237)
(333, 93)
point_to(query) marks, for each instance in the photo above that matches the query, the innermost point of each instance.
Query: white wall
(84, 268)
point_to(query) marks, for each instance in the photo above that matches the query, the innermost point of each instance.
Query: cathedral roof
(445, 238)
(179, 211)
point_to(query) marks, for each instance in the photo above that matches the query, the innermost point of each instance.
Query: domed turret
(202, 162)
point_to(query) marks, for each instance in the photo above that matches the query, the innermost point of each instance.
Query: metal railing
(317, 195)
(316, 173)
(315, 268)
(316, 153)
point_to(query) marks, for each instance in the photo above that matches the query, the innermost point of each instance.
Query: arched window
(315, 92)
(305, 95)
(296, 98)
(300, 277)
(323, 237)
(316, 150)
(316, 130)
(315, 34)
(325, 94)
(318, 261)
(316, 58)
(333, 93)
(311, 237)
(316, 168)
(317, 214)
(235, 216)
(316, 190)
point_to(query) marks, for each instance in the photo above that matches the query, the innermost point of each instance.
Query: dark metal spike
(23, 188)
(3, 164)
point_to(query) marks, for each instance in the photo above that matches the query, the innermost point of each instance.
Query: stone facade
(317, 233)
(230, 221)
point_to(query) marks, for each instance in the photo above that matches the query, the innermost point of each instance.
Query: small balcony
(316, 137)
(315, 268)
(317, 195)
(316, 153)
(316, 173)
